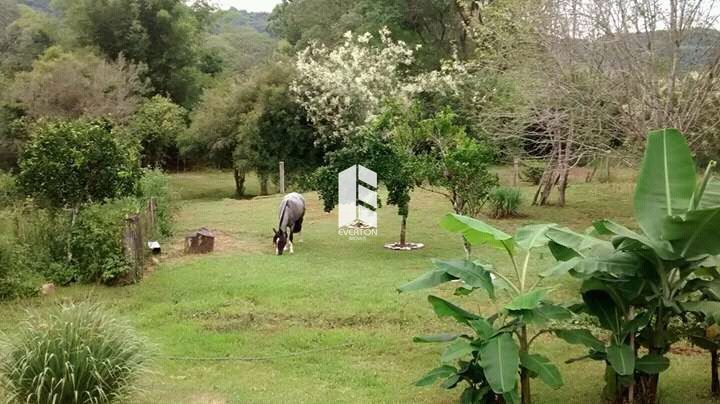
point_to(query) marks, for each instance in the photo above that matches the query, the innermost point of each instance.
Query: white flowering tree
(343, 88)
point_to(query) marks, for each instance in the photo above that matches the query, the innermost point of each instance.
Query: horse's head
(280, 239)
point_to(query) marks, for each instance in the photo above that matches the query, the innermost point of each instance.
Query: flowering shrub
(344, 88)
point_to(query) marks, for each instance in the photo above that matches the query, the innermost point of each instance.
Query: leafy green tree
(637, 283)
(68, 164)
(156, 125)
(162, 34)
(277, 128)
(25, 34)
(252, 126)
(498, 355)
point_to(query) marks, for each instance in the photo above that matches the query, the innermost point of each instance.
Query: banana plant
(635, 283)
(494, 358)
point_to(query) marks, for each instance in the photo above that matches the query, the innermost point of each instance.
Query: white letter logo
(357, 197)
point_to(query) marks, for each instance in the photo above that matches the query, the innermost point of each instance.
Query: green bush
(13, 283)
(156, 184)
(68, 164)
(75, 354)
(505, 202)
(533, 174)
(8, 189)
(97, 237)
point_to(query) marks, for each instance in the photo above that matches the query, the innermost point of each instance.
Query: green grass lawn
(334, 298)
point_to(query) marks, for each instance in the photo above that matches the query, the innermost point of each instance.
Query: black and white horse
(292, 212)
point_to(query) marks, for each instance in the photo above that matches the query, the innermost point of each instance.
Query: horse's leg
(290, 243)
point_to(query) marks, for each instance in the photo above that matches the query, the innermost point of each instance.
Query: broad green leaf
(652, 364)
(456, 350)
(472, 273)
(581, 337)
(710, 309)
(527, 301)
(601, 305)
(666, 181)
(582, 245)
(443, 308)
(545, 313)
(540, 365)
(499, 360)
(435, 374)
(695, 233)
(477, 232)
(661, 247)
(621, 358)
(618, 264)
(428, 280)
(532, 236)
(562, 267)
(451, 382)
(482, 327)
(437, 338)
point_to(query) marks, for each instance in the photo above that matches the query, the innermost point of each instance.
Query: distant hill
(234, 18)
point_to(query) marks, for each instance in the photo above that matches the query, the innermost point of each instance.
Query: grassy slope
(244, 301)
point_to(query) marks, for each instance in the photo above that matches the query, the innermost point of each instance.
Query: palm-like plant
(496, 356)
(637, 282)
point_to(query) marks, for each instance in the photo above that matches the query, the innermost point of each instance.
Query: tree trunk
(239, 182)
(403, 229)
(525, 396)
(263, 184)
(646, 388)
(714, 379)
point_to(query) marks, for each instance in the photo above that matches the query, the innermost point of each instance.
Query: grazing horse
(292, 212)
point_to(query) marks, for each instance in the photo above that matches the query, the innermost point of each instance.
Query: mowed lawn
(326, 324)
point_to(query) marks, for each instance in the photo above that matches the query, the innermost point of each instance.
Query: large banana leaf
(621, 358)
(499, 360)
(443, 308)
(477, 232)
(532, 236)
(541, 366)
(666, 181)
(694, 234)
(567, 244)
(662, 248)
(471, 273)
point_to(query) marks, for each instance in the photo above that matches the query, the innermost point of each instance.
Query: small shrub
(97, 236)
(76, 354)
(505, 202)
(14, 283)
(156, 184)
(8, 189)
(533, 174)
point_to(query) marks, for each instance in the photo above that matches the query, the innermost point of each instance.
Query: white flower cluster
(343, 88)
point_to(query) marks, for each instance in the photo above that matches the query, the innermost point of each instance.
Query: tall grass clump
(75, 354)
(505, 202)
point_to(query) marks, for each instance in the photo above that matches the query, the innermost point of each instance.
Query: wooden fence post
(282, 177)
(516, 171)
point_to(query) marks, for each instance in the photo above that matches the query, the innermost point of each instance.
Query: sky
(249, 5)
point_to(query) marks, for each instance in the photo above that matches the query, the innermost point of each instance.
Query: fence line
(139, 229)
